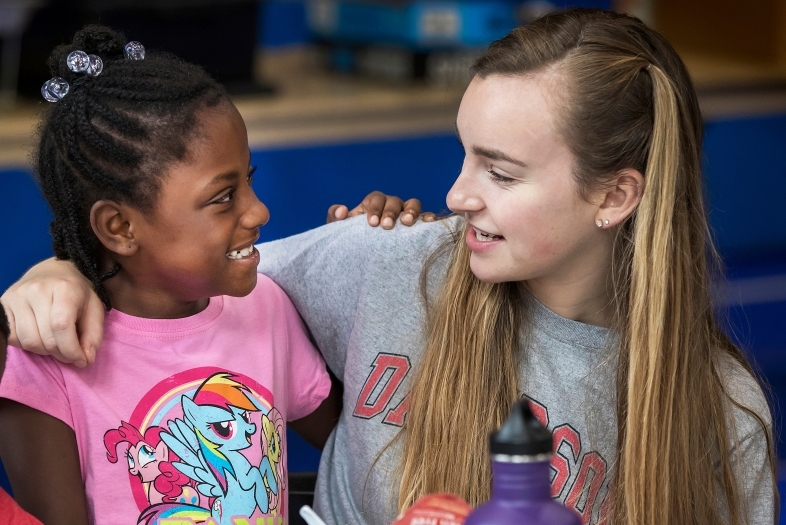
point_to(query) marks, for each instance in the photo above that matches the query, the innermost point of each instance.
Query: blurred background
(344, 97)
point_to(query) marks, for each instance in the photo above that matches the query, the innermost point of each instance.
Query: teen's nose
(463, 196)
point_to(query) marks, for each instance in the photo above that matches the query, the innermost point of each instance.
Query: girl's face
(516, 187)
(199, 240)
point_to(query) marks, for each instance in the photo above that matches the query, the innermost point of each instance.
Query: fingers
(391, 211)
(373, 206)
(24, 329)
(384, 210)
(91, 327)
(428, 217)
(412, 209)
(64, 316)
(337, 212)
(46, 306)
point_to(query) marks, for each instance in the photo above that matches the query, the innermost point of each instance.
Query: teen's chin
(485, 271)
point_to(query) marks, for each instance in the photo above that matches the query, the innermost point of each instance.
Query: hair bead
(55, 89)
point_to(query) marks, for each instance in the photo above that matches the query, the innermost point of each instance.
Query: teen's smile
(480, 241)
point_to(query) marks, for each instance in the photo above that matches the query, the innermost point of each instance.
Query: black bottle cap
(521, 434)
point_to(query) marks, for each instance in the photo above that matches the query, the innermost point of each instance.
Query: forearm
(41, 459)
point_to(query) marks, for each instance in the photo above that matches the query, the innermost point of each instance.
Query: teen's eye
(251, 171)
(496, 177)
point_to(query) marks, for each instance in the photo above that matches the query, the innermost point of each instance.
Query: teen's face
(199, 241)
(516, 188)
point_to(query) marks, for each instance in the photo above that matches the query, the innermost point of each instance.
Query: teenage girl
(576, 273)
(145, 163)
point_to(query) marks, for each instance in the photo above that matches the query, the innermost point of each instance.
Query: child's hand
(52, 310)
(389, 208)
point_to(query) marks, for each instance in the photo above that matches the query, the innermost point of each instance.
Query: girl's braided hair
(113, 136)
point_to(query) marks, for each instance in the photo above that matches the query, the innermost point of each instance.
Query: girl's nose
(256, 215)
(463, 196)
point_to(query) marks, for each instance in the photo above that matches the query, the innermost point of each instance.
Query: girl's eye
(499, 178)
(131, 462)
(251, 172)
(227, 197)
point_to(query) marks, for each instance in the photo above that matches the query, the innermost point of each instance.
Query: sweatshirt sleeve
(328, 271)
(754, 474)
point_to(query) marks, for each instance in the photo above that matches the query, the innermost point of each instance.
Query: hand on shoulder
(53, 310)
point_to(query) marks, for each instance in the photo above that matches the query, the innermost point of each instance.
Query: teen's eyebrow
(495, 154)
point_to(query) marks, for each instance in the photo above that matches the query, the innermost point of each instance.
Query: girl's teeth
(239, 254)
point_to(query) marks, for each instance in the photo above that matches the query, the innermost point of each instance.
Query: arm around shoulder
(53, 310)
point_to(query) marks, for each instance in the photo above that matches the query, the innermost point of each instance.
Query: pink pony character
(150, 459)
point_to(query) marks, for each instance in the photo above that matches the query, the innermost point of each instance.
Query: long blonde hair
(629, 103)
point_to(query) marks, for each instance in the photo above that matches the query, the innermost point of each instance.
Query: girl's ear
(621, 199)
(111, 222)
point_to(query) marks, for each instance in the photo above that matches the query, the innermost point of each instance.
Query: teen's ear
(112, 224)
(622, 197)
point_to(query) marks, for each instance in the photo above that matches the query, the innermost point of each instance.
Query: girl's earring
(599, 223)
(606, 222)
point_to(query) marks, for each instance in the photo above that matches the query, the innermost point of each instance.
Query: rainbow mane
(222, 391)
(171, 511)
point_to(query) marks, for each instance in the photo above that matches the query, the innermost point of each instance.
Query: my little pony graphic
(272, 430)
(216, 426)
(149, 459)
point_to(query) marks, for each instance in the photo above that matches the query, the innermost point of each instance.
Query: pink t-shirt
(183, 419)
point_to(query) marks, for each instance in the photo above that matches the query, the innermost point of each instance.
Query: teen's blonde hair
(628, 103)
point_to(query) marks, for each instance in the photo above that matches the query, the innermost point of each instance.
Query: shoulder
(356, 236)
(749, 408)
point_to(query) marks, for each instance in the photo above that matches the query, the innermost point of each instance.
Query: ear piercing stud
(599, 223)
(606, 222)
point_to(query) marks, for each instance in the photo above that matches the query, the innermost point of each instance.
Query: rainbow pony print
(216, 426)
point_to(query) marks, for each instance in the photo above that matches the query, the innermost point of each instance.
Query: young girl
(577, 274)
(145, 163)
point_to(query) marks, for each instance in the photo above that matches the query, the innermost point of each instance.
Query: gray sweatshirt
(358, 291)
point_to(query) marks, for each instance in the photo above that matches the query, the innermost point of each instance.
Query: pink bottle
(520, 489)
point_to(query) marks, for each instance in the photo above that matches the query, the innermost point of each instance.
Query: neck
(582, 292)
(135, 297)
